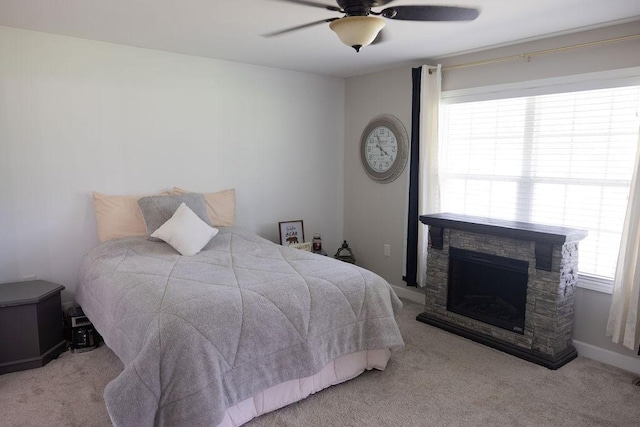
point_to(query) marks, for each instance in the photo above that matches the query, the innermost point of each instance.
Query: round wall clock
(384, 148)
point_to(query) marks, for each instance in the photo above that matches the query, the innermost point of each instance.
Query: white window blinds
(563, 159)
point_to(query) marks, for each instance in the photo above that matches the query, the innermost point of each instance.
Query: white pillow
(185, 231)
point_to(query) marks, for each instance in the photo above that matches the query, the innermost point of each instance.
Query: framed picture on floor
(291, 232)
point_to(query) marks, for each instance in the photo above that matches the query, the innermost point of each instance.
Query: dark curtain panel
(412, 224)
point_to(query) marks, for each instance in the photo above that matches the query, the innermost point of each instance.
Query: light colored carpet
(439, 379)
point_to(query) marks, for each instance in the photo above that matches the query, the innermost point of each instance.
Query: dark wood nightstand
(31, 325)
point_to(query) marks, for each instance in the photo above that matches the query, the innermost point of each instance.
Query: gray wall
(584, 60)
(375, 213)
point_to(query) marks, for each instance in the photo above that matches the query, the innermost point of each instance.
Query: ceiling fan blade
(298, 27)
(377, 3)
(430, 13)
(315, 4)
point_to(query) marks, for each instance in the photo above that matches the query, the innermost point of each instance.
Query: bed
(243, 327)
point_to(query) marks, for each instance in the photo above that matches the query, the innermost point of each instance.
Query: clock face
(381, 149)
(384, 148)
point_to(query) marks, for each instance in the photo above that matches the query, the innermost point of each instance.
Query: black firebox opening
(488, 288)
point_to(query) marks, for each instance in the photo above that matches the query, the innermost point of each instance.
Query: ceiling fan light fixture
(357, 31)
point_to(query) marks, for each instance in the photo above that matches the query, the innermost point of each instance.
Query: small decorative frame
(291, 232)
(306, 246)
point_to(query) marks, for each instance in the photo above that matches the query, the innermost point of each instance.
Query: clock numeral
(393, 149)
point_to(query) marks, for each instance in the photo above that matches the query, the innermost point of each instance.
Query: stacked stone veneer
(549, 307)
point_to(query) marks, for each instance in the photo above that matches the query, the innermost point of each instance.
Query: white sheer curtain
(624, 320)
(428, 199)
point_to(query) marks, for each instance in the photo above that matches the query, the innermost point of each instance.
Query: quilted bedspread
(199, 334)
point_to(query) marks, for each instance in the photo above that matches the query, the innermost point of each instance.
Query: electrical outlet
(387, 250)
(29, 278)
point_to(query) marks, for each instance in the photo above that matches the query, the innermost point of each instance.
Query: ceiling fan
(361, 25)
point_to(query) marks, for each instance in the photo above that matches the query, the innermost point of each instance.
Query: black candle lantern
(345, 254)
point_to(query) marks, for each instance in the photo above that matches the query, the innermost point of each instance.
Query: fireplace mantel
(499, 227)
(544, 236)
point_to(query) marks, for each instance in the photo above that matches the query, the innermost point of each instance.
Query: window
(561, 158)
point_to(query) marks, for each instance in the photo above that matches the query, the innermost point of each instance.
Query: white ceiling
(233, 29)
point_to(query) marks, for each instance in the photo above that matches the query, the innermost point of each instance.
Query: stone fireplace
(505, 284)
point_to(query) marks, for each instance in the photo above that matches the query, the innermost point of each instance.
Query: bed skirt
(335, 372)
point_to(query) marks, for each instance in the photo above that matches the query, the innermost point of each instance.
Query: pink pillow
(221, 206)
(119, 216)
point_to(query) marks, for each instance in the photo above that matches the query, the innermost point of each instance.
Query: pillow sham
(185, 231)
(221, 206)
(119, 216)
(157, 210)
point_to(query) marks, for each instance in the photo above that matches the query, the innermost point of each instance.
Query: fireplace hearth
(505, 284)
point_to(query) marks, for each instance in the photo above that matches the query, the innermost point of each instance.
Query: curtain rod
(528, 55)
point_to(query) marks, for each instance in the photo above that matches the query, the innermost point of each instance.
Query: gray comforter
(200, 334)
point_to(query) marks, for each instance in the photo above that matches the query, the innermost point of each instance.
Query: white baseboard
(412, 294)
(628, 363)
